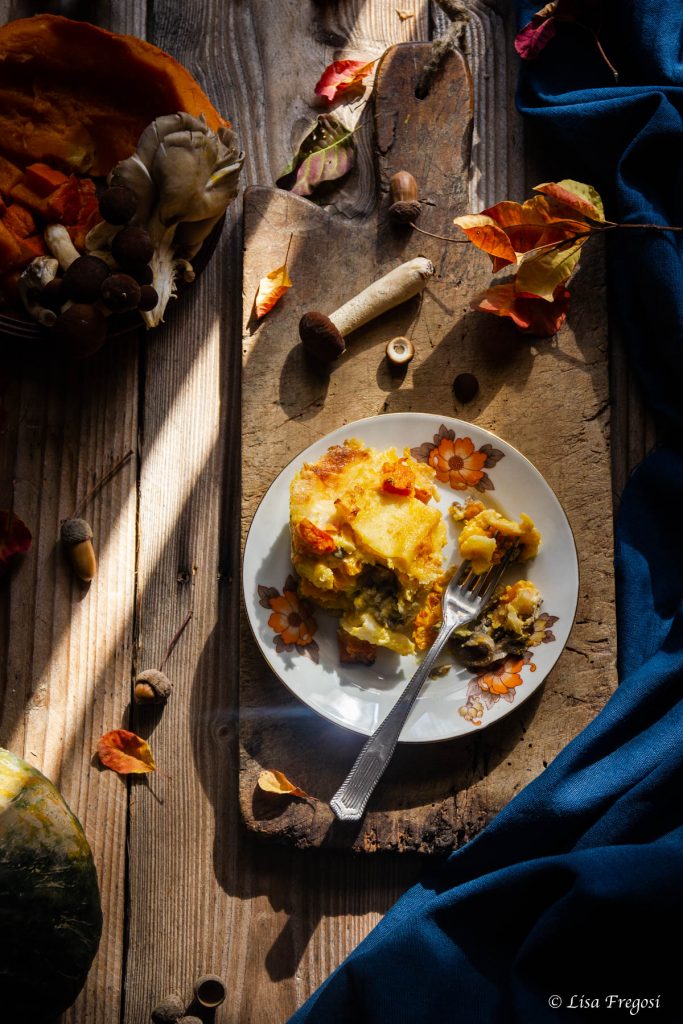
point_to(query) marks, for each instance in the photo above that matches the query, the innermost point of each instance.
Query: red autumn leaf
(271, 288)
(534, 223)
(342, 76)
(15, 538)
(536, 35)
(125, 753)
(530, 314)
(573, 196)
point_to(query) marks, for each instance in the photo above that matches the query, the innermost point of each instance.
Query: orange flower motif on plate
(291, 619)
(503, 678)
(456, 462)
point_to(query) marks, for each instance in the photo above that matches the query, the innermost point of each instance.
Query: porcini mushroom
(323, 336)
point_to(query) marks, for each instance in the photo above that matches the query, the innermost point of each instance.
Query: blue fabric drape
(575, 891)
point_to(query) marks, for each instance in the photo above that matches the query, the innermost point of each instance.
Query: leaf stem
(444, 238)
(103, 480)
(179, 632)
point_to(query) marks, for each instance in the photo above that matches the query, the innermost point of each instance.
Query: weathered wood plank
(65, 648)
(202, 895)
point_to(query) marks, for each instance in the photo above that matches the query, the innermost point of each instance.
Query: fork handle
(350, 800)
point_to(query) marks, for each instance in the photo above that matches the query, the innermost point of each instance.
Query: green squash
(50, 915)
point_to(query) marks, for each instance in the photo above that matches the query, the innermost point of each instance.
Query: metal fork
(463, 599)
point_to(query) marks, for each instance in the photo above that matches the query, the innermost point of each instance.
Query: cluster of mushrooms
(159, 207)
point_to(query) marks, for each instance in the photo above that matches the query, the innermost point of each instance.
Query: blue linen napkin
(572, 898)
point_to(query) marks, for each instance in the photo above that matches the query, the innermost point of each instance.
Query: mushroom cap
(149, 297)
(52, 295)
(320, 338)
(143, 274)
(84, 277)
(120, 292)
(118, 204)
(75, 531)
(81, 329)
(132, 247)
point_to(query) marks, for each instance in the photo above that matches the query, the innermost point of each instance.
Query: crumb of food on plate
(506, 626)
(353, 651)
(367, 540)
(487, 535)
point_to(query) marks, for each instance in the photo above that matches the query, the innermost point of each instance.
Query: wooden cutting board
(547, 398)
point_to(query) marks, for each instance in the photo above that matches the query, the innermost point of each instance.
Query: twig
(444, 238)
(176, 638)
(103, 480)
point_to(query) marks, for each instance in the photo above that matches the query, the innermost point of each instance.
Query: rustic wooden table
(185, 889)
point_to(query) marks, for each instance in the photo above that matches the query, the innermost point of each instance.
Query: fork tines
(484, 585)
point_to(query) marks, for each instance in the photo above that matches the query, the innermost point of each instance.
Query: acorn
(84, 277)
(210, 991)
(118, 204)
(152, 687)
(120, 292)
(132, 247)
(405, 198)
(400, 351)
(76, 536)
(169, 1011)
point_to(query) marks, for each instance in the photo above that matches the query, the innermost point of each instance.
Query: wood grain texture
(202, 895)
(437, 797)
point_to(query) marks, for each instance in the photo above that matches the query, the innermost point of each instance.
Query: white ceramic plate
(358, 697)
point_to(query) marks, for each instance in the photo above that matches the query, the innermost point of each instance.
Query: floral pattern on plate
(456, 462)
(500, 680)
(291, 620)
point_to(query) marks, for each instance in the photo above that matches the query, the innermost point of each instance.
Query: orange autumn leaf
(483, 232)
(342, 76)
(125, 753)
(584, 199)
(15, 538)
(277, 782)
(530, 314)
(271, 289)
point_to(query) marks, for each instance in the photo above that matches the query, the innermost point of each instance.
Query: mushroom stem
(399, 285)
(37, 274)
(59, 243)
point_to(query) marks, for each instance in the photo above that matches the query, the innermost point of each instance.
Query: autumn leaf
(584, 199)
(271, 288)
(542, 270)
(483, 232)
(530, 314)
(405, 15)
(276, 782)
(326, 154)
(125, 753)
(537, 33)
(342, 76)
(15, 538)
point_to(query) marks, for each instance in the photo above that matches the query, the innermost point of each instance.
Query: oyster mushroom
(184, 175)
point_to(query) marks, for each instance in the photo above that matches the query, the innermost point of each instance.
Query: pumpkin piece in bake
(78, 97)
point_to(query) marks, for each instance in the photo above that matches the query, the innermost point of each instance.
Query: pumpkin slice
(78, 97)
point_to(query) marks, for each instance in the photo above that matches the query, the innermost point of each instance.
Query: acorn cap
(320, 338)
(75, 531)
(210, 990)
(400, 351)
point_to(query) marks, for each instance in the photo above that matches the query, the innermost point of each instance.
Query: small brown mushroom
(76, 536)
(323, 336)
(148, 297)
(118, 204)
(405, 198)
(400, 351)
(143, 274)
(120, 292)
(132, 247)
(152, 687)
(81, 329)
(84, 277)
